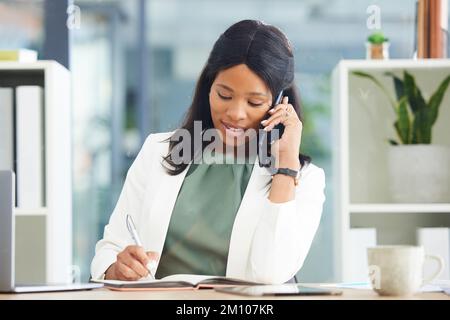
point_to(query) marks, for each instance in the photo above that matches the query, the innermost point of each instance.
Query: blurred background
(134, 65)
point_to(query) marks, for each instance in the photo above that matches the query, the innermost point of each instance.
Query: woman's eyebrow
(250, 93)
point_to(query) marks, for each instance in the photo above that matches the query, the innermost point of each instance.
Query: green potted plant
(419, 171)
(377, 46)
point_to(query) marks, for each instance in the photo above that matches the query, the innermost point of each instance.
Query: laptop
(7, 246)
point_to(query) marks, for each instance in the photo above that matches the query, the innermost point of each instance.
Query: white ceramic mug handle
(440, 262)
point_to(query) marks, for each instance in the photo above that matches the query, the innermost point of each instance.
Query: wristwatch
(288, 172)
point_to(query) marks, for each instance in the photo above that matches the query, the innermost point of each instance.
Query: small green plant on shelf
(377, 38)
(377, 46)
(415, 115)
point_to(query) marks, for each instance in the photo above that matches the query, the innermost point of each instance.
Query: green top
(200, 228)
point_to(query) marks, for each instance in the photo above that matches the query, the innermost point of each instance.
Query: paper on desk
(366, 286)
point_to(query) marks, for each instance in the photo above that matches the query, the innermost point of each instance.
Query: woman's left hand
(288, 146)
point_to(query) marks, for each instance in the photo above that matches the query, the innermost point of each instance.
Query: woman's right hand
(131, 264)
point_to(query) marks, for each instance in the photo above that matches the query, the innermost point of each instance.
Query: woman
(237, 220)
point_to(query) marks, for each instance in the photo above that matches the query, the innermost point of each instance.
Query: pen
(134, 235)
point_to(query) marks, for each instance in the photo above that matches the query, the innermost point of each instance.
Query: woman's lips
(233, 131)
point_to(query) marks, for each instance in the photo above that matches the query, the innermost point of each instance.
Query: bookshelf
(362, 123)
(44, 234)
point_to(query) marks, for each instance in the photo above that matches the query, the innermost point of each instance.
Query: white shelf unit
(400, 208)
(363, 121)
(44, 236)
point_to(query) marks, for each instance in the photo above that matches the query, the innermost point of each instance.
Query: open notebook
(176, 281)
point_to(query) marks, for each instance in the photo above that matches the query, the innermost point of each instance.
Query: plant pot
(377, 51)
(419, 173)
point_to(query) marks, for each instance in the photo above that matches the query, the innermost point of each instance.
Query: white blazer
(269, 241)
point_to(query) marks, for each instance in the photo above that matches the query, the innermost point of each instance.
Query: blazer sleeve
(116, 236)
(286, 230)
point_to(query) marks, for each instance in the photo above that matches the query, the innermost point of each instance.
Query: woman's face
(239, 100)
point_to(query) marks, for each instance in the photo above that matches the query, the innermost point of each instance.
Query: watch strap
(288, 172)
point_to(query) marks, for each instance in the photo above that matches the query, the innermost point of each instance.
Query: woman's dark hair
(265, 50)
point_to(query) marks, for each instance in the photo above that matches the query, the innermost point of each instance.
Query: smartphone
(278, 290)
(267, 138)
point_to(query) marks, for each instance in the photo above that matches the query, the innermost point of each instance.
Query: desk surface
(207, 294)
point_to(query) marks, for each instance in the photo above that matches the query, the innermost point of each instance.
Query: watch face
(269, 164)
(272, 170)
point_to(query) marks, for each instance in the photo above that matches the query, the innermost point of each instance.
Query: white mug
(398, 270)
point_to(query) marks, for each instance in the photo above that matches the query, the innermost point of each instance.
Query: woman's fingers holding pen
(153, 258)
(133, 263)
(138, 253)
(120, 271)
(124, 272)
(135, 259)
(149, 260)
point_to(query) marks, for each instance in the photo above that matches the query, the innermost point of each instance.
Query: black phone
(267, 138)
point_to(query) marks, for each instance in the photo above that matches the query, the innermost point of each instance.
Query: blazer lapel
(246, 220)
(161, 209)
